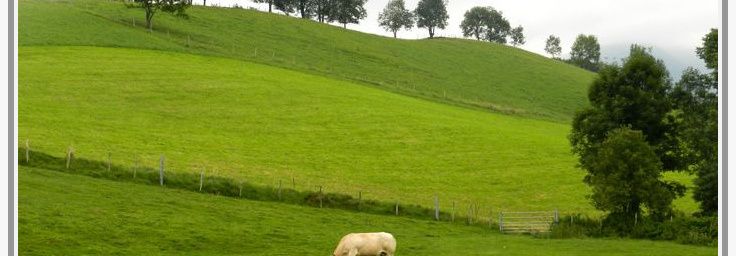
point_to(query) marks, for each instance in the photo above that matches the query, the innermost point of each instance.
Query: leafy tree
(553, 46)
(270, 3)
(286, 6)
(626, 175)
(517, 36)
(709, 51)
(497, 27)
(347, 11)
(633, 95)
(176, 7)
(323, 8)
(395, 16)
(431, 14)
(586, 52)
(474, 23)
(306, 8)
(696, 96)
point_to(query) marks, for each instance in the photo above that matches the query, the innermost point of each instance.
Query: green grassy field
(465, 72)
(318, 105)
(130, 219)
(264, 124)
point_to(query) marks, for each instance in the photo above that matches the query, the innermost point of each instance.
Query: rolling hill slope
(129, 219)
(265, 124)
(465, 72)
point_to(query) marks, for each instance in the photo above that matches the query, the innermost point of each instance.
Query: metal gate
(527, 222)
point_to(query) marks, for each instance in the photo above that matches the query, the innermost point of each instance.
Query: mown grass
(483, 75)
(63, 214)
(264, 125)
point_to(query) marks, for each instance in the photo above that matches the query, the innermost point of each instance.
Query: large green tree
(553, 46)
(517, 36)
(474, 23)
(151, 7)
(634, 95)
(626, 176)
(347, 11)
(586, 52)
(696, 97)
(497, 27)
(431, 14)
(395, 16)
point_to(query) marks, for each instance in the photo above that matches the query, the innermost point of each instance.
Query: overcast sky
(673, 28)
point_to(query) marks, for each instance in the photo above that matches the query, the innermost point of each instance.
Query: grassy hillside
(62, 214)
(265, 124)
(465, 72)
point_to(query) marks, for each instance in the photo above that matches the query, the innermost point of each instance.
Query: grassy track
(62, 214)
(465, 72)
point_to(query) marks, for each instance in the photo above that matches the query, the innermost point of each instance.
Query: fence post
(135, 167)
(500, 222)
(360, 199)
(557, 216)
(397, 208)
(320, 196)
(68, 156)
(636, 218)
(109, 160)
(28, 149)
(201, 180)
(452, 217)
(279, 193)
(240, 191)
(161, 170)
(293, 183)
(436, 207)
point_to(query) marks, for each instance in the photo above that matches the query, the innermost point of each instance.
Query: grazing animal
(366, 244)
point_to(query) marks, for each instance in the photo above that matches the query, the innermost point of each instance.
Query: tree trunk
(270, 3)
(345, 25)
(204, 3)
(394, 34)
(431, 33)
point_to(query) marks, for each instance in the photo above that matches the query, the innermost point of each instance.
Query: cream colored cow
(366, 244)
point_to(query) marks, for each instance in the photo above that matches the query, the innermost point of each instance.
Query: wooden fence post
(636, 218)
(28, 153)
(279, 193)
(68, 157)
(320, 196)
(452, 217)
(500, 221)
(557, 216)
(109, 160)
(436, 207)
(161, 170)
(397, 208)
(360, 199)
(201, 180)
(240, 191)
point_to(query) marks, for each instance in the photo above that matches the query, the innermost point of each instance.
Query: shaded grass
(65, 214)
(482, 75)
